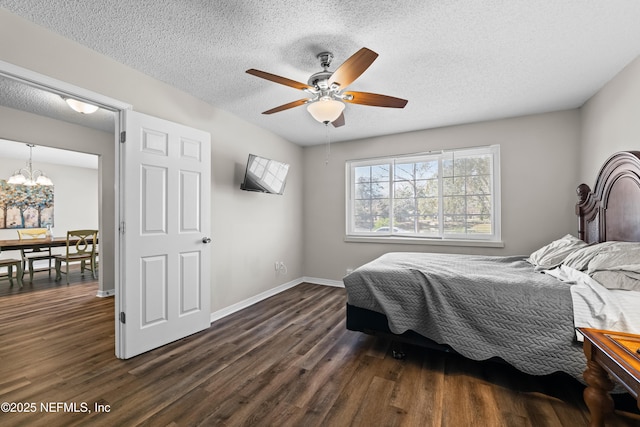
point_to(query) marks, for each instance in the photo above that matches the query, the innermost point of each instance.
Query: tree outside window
(451, 194)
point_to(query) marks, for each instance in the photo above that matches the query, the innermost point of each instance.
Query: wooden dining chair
(81, 247)
(9, 263)
(31, 255)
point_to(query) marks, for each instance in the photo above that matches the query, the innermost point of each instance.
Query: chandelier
(28, 176)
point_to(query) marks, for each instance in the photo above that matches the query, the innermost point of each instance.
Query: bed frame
(610, 212)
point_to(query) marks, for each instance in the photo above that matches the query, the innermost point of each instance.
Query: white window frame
(442, 238)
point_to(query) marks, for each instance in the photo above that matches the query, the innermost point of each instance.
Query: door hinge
(123, 137)
(122, 317)
(122, 227)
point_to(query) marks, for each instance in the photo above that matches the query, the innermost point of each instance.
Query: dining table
(47, 242)
(52, 242)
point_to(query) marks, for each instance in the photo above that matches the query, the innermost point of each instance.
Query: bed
(519, 309)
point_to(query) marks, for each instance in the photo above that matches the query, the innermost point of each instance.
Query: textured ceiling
(38, 101)
(455, 61)
(44, 155)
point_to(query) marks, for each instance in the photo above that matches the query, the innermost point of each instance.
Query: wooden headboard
(612, 210)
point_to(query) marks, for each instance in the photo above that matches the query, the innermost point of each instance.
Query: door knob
(206, 240)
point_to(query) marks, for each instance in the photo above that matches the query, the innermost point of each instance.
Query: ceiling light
(325, 110)
(28, 176)
(81, 107)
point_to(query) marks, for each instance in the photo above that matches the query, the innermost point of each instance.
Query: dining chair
(31, 255)
(81, 247)
(9, 263)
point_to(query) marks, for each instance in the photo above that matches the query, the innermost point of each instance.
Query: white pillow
(617, 267)
(625, 280)
(622, 256)
(580, 258)
(554, 253)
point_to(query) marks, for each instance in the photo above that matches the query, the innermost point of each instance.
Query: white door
(165, 250)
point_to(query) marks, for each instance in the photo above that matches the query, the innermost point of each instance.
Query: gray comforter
(481, 306)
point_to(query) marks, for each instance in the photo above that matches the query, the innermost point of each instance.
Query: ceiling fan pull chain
(328, 144)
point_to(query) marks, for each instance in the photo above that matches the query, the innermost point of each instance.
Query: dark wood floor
(286, 361)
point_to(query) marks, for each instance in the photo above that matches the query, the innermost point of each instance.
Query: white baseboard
(325, 282)
(107, 293)
(219, 314)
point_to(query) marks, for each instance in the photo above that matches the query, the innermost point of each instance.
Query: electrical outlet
(281, 267)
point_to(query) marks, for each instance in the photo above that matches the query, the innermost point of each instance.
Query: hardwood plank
(419, 391)
(353, 389)
(375, 403)
(320, 384)
(286, 361)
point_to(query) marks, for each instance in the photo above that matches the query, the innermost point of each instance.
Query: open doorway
(153, 173)
(71, 203)
(22, 119)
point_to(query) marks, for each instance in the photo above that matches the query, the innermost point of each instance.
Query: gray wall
(544, 158)
(539, 177)
(250, 231)
(610, 121)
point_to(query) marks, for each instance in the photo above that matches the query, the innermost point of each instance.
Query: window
(448, 195)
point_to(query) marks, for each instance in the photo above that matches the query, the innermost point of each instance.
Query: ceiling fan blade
(287, 106)
(375, 100)
(353, 67)
(277, 79)
(339, 121)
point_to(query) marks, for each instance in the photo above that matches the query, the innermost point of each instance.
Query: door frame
(62, 88)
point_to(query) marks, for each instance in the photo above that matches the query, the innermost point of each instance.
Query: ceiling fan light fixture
(325, 110)
(326, 104)
(81, 107)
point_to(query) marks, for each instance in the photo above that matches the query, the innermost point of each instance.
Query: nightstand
(610, 356)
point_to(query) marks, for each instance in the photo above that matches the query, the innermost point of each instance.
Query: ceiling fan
(326, 88)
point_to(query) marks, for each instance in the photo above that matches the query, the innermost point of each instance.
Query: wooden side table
(610, 356)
